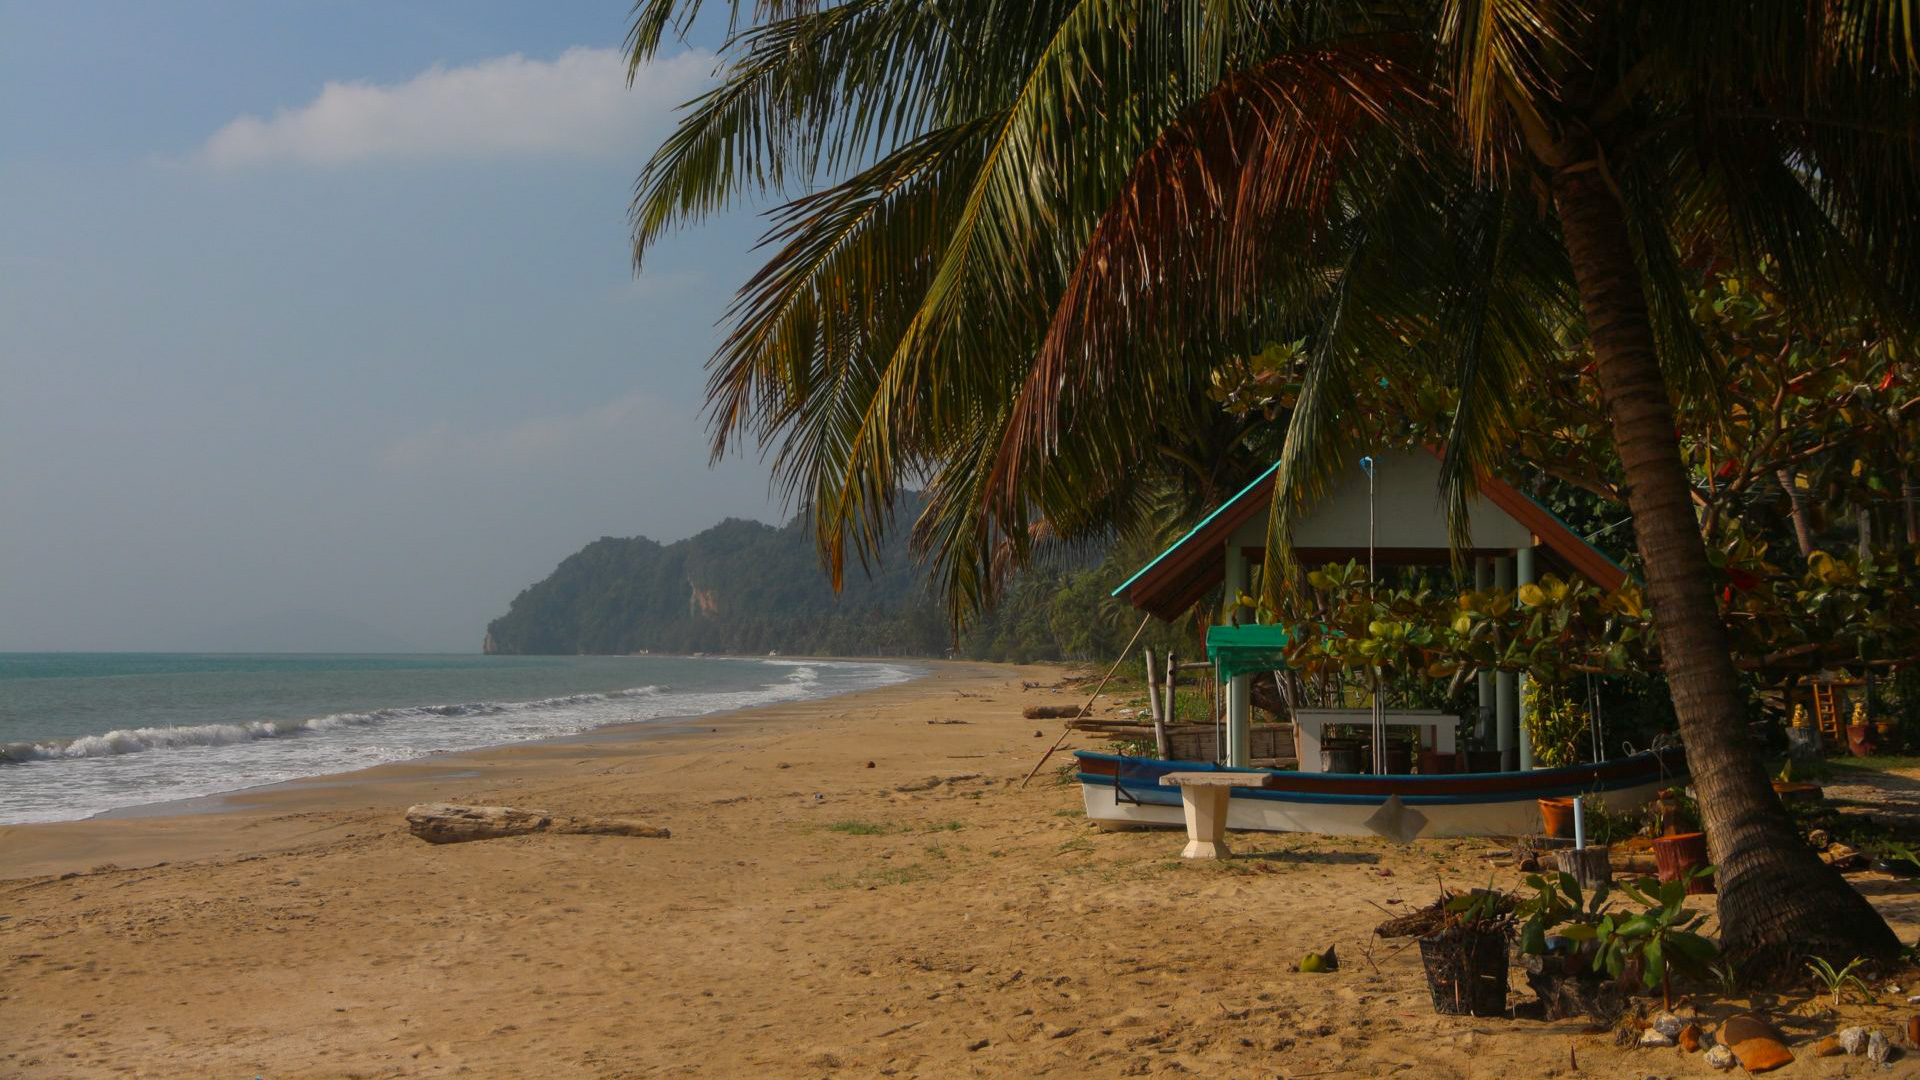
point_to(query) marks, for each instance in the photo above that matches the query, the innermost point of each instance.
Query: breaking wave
(136, 740)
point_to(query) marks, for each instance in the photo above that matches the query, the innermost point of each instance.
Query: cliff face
(741, 586)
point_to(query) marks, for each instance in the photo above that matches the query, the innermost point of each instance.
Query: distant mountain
(747, 587)
(740, 586)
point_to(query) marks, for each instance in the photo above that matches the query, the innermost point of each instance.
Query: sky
(319, 327)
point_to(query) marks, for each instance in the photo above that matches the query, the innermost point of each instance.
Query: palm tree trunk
(1777, 899)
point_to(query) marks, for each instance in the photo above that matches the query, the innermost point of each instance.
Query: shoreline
(233, 800)
(158, 804)
(133, 836)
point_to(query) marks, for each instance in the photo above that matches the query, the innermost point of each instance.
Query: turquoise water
(85, 732)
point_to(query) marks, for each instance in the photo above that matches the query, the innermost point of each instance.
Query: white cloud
(577, 103)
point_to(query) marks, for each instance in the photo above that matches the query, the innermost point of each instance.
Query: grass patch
(1069, 813)
(858, 828)
(947, 826)
(1078, 843)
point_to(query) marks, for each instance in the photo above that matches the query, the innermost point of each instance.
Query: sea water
(82, 733)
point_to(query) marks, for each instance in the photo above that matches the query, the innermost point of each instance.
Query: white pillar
(1483, 682)
(1523, 572)
(1505, 696)
(1240, 688)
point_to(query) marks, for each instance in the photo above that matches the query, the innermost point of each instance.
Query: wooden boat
(1122, 791)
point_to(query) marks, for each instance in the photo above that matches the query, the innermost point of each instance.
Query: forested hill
(748, 587)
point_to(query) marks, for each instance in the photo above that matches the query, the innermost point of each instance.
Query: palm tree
(1054, 213)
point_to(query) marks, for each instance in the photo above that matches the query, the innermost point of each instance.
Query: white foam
(54, 780)
(135, 740)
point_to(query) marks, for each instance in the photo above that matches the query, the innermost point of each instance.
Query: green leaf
(1653, 964)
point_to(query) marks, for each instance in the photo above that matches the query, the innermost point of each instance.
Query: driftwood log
(445, 823)
(1051, 712)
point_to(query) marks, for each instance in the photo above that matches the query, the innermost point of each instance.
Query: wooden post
(1153, 688)
(1173, 669)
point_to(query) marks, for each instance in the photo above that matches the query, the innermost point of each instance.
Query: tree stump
(445, 823)
(1591, 867)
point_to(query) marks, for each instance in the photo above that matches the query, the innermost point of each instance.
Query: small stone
(1668, 1024)
(1655, 1037)
(1689, 1038)
(1878, 1048)
(1720, 1058)
(1828, 1047)
(871, 765)
(1853, 1040)
(977, 1044)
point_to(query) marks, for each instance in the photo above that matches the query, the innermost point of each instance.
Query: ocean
(83, 733)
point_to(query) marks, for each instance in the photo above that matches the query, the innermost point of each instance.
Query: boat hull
(1121, 791)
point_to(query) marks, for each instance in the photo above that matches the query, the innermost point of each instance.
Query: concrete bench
(1204, 795)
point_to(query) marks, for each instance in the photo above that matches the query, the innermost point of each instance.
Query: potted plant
(1466, 957)
(1560, 968)
(1682, 847)
(1655, 942)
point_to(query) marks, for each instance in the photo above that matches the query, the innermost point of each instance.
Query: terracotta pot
(1433, 762)
(1860, 739)
(1677, 855)
(1556, 817)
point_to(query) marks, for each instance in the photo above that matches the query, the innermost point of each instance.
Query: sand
(811, 917)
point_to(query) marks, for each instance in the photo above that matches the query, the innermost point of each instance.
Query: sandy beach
(812, 916)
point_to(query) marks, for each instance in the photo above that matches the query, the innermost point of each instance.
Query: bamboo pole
(1141, 629)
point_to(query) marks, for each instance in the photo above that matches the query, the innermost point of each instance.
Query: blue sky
(320, 314)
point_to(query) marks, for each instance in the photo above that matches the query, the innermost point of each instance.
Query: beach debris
(1051, 712)
(942, 722)
(1690, 1038)
(1913, 1029)
(932, 782)
(977, 1044)
(1853, 1040)
(446, 823)
(1828, 1047)
(1320, 962)
(1038, 734)
(1755, 1043)
(871, 765)
(1668, 1024)
(1878, 1048)
(1430, 919)
(1720, 1057)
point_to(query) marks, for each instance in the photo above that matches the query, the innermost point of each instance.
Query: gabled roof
(1194, 566)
